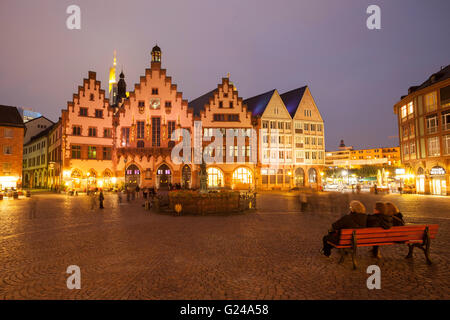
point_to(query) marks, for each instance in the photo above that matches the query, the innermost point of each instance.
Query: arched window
(215, 177)
(312, 174)
(242, 175)
(299, 177)
(76, 174)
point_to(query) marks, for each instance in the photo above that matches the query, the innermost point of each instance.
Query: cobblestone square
(125, 252)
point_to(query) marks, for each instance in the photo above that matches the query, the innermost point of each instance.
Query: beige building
(348, 157)
(309, 133)
(423, 118)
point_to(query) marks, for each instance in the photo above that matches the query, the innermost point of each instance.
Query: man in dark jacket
(357, 218)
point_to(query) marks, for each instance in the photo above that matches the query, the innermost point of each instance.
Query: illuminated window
(430, 102)
(433, 147)
(215, 177)
(242, 175)
(410, 108)
(92, 152)
(403, 110)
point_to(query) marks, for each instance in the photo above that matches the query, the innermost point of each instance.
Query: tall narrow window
(156, 132)
(140, 129)
(125, 137)
(170, 128)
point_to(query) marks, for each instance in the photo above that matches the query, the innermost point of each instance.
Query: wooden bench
(413, 235)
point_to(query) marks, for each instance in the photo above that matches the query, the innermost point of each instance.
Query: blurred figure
(380, 219)
(119, 196)
(303, 202)
(357, 218)
(397, 217)
(93, 200)
(33, 209)
(100, 199)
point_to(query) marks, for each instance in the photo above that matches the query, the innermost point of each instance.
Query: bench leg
(376, 252)
(343, 253)
(427, 250)
(410, 251)
(355, 265)
(354, 246)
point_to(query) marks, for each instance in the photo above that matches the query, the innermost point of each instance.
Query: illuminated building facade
(125, 140)
(143, 124)
(11, 147)
(222, 109)
(35, 161)
(87, 138)
(423, 118)
(348, 157)
(308, 137)
(55, 156)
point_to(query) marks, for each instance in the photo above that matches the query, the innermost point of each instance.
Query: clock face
(155, 103)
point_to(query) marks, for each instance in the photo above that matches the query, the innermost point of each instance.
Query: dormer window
(154, 90)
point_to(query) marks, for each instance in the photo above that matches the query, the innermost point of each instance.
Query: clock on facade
(155, 103)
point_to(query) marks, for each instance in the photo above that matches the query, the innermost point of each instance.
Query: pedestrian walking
(137, 192)
(33, 209)
(119, 197)
(93, 200)
(303, 202)
(144, 192)
(101, 198)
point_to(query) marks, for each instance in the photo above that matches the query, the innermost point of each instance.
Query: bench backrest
(394, 234)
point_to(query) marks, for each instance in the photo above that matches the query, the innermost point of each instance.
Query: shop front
(438, 184)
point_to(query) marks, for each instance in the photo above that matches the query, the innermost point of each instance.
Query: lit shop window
(215, 177)
(242, 175)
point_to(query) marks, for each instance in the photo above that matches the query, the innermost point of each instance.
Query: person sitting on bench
(379, 219)
(397, 217)
(357, 218)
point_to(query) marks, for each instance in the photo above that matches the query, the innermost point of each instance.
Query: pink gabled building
(86, 127)
(143, 124)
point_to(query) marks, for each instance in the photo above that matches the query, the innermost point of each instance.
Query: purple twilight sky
(355, 74)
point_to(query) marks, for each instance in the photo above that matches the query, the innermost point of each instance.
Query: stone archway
(312, 175)
(163, 176)
(132, 176)
(299, 177)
